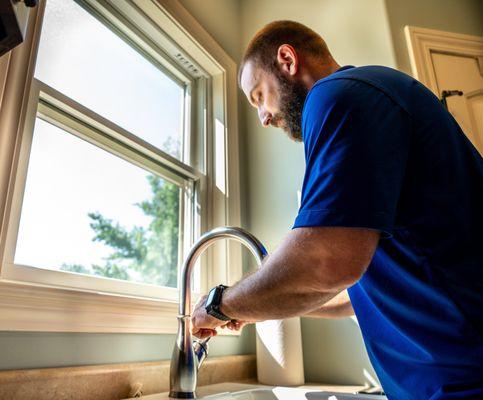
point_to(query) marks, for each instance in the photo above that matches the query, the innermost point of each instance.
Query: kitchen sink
(246, 391)
(282, 393)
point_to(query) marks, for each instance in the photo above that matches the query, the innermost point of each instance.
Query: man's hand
(204, 325)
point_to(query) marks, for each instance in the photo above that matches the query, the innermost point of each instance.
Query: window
(124, 157)
(91, 205)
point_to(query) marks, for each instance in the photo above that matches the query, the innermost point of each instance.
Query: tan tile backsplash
(114, 381)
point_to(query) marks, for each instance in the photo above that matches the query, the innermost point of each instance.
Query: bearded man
(390, 218)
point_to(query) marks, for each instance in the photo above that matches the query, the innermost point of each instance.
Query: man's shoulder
(367, 71)
(361, 84)
(374, 75)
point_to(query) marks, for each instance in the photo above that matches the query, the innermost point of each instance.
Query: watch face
(211, 296)
(213, 301)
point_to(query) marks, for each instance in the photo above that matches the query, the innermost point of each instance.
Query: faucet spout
(187, 358)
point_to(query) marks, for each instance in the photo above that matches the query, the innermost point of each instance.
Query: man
(391, 212)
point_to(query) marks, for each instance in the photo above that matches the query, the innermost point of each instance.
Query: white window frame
(36, 300)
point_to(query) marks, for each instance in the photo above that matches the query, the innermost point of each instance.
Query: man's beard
(291, 104)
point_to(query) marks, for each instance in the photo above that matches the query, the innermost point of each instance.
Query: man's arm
(310, 267)
(338, 307)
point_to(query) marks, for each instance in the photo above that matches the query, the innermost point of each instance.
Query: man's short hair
(262, 49)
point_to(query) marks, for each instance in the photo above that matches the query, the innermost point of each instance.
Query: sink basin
(247, 391)
(283, 393)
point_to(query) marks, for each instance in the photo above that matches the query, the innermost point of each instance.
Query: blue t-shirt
(382, 153)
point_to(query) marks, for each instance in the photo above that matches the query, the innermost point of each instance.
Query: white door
(451, 65)
(460, 81)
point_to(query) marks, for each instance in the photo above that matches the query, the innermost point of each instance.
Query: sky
(68, 177)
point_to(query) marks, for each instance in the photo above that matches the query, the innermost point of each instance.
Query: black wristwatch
(212, 305)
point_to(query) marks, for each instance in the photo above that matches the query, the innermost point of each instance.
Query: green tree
(144, 255)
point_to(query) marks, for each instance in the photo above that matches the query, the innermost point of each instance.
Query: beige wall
(357, 33)
(460, 16)
(334, 352)
(221, 19)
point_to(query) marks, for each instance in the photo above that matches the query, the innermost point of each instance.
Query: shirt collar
(344, 68)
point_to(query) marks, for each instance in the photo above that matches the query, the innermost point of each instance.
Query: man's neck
(314, 70)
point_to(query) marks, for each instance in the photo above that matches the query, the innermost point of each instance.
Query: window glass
(85, 210)
(86, 61)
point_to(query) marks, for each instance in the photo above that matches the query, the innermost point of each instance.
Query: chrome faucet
(187, 358)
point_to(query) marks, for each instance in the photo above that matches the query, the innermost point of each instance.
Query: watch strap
(219, 315)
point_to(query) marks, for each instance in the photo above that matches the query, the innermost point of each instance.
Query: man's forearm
(263, 296)
(309, 268)
(289, 283)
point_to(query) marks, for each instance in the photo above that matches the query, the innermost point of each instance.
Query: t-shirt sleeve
(356, 141)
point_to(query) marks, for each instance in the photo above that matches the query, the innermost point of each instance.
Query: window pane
(88, 211)
(89, 63)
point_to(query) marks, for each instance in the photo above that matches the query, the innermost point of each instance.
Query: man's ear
(288, 59)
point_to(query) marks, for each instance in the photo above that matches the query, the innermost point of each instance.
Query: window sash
(72, 117)
(60, 110)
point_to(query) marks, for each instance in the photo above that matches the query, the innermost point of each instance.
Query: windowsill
(27, 307)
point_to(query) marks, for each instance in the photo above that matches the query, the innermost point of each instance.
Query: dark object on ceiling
(13, 19)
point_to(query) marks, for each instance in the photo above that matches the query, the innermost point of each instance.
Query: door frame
(422, 42)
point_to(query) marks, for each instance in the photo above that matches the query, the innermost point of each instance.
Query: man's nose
(265, 117)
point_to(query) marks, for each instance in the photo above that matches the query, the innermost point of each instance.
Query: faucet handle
(201, 348)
